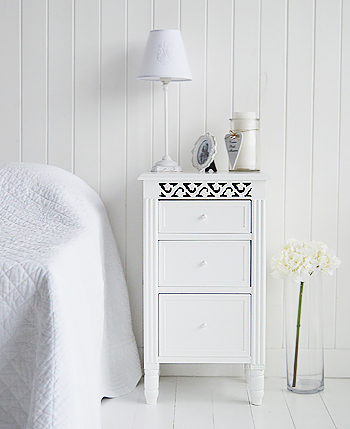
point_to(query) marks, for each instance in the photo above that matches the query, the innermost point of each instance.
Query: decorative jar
(304, 334)
(247, 123)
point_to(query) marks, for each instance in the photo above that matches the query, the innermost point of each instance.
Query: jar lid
(244, 115)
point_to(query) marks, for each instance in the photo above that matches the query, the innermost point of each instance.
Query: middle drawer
(204, 263)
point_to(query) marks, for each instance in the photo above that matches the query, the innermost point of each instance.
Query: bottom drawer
(204, 325)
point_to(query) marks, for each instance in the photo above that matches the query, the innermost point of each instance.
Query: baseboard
(201, 370)
(337, 364)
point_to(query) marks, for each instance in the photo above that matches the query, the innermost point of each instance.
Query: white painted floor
(221, 403)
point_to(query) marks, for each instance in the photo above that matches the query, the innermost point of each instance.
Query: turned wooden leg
(151, 386)
(256, 384)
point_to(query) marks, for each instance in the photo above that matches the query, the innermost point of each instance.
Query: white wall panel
(246, 56)
(343, 289)
(139, 143)
(166, 15)
(219, 75)
(34, 81)
(299, 122)
(87, 119)
(69, 97)
(272, 137)
(299, 117)
(10, 80)
(324, 209)
(60, 84)
(193, 95)
(113, 116)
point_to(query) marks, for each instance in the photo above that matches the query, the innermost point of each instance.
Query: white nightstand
(204, 269)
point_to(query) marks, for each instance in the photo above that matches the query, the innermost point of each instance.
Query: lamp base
(166, 164)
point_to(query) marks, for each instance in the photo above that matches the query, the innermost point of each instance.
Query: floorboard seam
(175, 402)
(327, 410)
(290, 413)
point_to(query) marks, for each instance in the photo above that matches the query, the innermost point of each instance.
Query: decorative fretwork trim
(225, 190)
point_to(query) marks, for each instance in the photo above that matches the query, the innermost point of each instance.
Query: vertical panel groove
(285, 119)
(178, 126)
(47, 85)
(312, 149)
(20, 81)
(206, 66)
(341, 25)
(153, 13)
(152, 124)
(285, 143)
(99, 119)
(126, 47)
(126, 118)
(179, 22)
(73, 86)
(259, 61)
(232, 59)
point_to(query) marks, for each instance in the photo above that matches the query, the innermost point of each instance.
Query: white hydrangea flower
(327, 261)
(299, 259)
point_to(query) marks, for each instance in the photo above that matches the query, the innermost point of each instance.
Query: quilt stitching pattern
(55, 307)
(21, 293)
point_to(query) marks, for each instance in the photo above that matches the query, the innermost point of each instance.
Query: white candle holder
(247, 123)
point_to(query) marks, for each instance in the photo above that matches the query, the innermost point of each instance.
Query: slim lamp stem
(166, 118)
(166, 163)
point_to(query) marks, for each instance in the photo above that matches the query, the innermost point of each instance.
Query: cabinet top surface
(228, 176)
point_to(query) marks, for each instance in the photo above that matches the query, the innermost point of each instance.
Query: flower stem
(297, 335)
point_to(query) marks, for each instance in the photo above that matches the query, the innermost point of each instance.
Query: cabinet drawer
(194, 325)
(204, 263)
(223, 217)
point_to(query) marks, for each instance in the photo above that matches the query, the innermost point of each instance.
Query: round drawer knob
(204, 216)
(203, 263)
(203, 325)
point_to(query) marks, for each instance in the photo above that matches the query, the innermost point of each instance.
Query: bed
(66, 339)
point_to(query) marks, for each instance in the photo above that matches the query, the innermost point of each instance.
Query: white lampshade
(165, 57)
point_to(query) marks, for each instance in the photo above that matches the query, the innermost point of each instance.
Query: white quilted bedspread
(65, 329)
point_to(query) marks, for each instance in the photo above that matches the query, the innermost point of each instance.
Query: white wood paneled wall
(69, 97)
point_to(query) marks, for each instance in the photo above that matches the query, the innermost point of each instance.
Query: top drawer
(223, 217)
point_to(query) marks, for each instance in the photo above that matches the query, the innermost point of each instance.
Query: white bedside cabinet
(204, 269)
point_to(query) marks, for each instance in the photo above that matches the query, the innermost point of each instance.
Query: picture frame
(204, 152)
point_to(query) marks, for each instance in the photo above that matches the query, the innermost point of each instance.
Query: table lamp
(165, 59)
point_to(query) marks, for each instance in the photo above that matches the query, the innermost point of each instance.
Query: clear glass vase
(304, 335)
